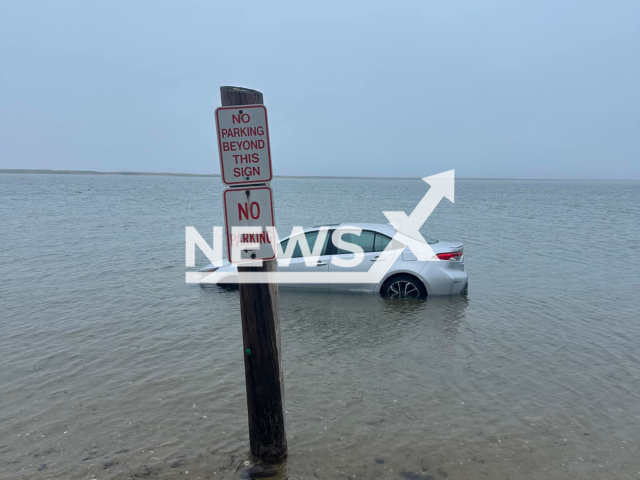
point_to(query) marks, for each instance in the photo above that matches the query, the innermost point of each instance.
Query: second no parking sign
(249, 207)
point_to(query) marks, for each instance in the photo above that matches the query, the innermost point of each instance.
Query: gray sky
(533, 89)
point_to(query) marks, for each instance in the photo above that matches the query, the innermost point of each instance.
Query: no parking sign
(249, 207)
(243, 144)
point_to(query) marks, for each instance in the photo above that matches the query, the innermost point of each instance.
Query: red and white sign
(249, 207)
(243, 144)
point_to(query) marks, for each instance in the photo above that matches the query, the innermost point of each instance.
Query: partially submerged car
(407, 277)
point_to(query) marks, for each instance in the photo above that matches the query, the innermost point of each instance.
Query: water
(112, 367)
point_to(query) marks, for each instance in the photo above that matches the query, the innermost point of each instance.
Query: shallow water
(112, 367)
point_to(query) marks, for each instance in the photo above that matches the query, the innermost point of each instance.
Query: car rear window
(381, 242)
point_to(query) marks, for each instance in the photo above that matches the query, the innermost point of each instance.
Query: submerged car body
(443, 274)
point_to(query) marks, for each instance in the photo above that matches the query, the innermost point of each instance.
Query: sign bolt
(248, 351)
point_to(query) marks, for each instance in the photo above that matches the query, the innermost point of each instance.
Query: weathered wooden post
(261, 340)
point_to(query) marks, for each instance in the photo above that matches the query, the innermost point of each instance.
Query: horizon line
(321, 177)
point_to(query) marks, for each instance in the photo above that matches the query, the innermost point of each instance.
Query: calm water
(112, 367)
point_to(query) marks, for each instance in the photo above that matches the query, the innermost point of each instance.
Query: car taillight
(450, 256)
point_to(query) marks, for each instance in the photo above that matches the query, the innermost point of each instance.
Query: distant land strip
(168, 174)
(95, 172)
(331, 177)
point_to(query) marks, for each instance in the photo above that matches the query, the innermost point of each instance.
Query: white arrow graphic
(442, 185)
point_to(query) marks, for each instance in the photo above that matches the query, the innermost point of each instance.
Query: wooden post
(261, 340)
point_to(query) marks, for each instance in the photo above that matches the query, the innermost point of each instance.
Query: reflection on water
(353, 320)
(113, 368)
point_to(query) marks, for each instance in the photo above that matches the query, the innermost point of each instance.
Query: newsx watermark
(250, 238)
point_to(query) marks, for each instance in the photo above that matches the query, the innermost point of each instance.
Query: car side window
(365, 240)
(311, 238)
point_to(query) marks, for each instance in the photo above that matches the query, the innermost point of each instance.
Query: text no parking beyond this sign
(243, 144)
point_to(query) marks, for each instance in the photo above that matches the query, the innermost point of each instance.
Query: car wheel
(404, 286)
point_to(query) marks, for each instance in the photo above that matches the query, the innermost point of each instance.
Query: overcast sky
(491, 88)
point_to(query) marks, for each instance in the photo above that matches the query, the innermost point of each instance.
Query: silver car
(408, 277)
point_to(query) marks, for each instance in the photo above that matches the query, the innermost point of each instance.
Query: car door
(366, 240)
(297, 266)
